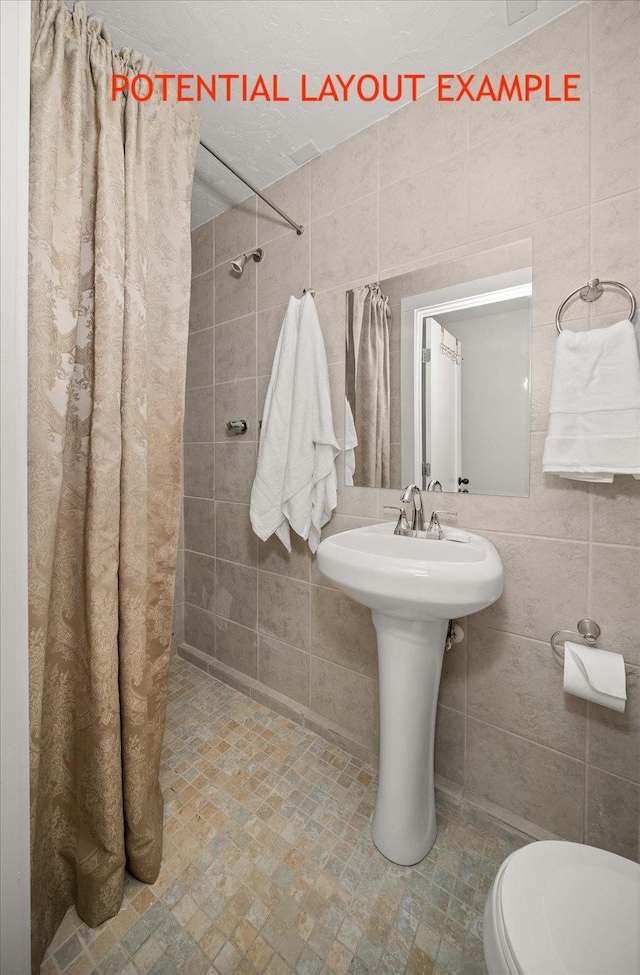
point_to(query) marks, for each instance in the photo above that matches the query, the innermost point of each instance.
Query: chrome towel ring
(591, 292)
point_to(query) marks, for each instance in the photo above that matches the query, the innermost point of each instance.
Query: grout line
(549, 538)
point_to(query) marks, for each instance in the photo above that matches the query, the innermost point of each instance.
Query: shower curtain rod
(299, 228)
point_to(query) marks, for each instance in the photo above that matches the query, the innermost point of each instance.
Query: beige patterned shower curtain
(110, 186)
(368, 383)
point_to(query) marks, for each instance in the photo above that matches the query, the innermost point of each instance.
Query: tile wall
(452, 187)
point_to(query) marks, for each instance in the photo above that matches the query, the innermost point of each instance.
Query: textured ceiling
(291, 37)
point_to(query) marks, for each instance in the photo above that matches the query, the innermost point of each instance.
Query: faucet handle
(402, 525)
(435, 528)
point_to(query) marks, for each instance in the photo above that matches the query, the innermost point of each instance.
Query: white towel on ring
(594, 413)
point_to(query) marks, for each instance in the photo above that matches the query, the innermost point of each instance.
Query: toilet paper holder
(588, 633)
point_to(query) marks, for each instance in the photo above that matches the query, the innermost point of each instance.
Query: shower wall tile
(198, 470)
(269, 325)
(235, 470)
(345, 173)
(541, 785)
(202, 248)
(545, 585)
(237, 646)
(615, 138)
(199, 525)
(493, 260)
(615, 40)
(516, 178)
(615, 231)
(235, 295)
(614, 739)
(425, 213)
(395, 196)
(283, 609)
(616, 511)
(342, 631)
(237, 593)
(236, 231)
(560, 255)
(200, 580)
(235, 540)
(178, 595)
(200, 359)
(344, 244)
(236, 349)
(201, 304)
(198, 415)
(236, 401)
(348, 699)
(613, 814)
(424, 133)
(284, 270)
(615, 583)
(284, 668)
(559, 47)
(450, 744)
(516, 684)
(292, 194)
(199, 629)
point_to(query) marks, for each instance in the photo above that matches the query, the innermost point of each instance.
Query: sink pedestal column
(410, 660)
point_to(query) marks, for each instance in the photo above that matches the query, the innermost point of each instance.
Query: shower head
(239, 263)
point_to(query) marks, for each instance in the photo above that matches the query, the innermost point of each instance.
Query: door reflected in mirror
(438, 381)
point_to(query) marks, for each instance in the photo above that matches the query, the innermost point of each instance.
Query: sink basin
(413, 587)
(414, 578)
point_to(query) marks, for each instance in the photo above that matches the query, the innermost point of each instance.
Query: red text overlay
(345, 88)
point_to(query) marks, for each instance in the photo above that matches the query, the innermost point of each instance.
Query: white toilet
(559, 908)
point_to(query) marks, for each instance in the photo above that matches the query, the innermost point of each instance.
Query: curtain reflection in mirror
(367, 407)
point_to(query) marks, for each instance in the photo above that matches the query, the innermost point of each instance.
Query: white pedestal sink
(413, 587)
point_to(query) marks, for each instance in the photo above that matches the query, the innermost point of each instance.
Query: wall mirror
(438, 377)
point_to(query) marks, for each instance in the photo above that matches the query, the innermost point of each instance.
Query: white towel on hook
(266, 494)
(296, 484)
(594, 413)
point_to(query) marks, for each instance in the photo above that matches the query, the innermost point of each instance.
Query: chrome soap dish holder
(588, 633)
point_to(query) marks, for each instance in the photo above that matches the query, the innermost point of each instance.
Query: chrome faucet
(415, 528)
(411, 495)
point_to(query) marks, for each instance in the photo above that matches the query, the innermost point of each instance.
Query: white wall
(14, 728)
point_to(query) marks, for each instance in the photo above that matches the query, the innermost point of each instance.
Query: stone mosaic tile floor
(269, 865)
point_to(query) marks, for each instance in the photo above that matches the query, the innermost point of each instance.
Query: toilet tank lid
(574, 909)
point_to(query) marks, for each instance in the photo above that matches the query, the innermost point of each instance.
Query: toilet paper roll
(595, 675)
